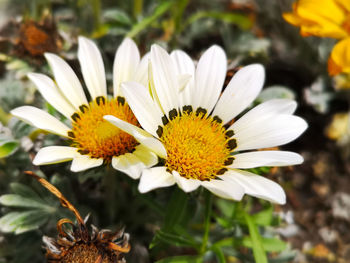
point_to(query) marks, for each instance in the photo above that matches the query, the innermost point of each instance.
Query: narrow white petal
(187, 185)
(265, 111)
(66, 80)
(126, 60)
(141, 73)
(165, 82)
(184, 65)
(41, 119)
(224, 189)
(54, 154)
(134, 163)
(278, 130)
(140, 135)
(142, 105)
(241, 91)
(51, 94)
(256, 185)
(209, 78)
(265, 158)
(84, 162)
(92, 67)
(155, 177)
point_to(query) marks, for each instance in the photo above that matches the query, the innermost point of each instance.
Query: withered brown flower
(78, 245)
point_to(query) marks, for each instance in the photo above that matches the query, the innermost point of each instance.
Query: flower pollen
(198, 146)
(96, 137)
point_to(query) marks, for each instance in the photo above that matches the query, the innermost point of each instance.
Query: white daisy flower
(94, 141)
(190, 126)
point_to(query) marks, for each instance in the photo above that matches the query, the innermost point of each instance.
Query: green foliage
(32, 210)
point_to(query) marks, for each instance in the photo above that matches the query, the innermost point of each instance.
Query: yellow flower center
(346, 24)
(96, 137)
(198, 146)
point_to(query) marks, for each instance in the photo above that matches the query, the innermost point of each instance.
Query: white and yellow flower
(93, 141)
(189, 125)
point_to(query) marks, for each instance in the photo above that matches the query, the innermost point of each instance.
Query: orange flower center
(96, 137)
(197, 145)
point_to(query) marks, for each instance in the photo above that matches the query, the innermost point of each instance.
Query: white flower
(93, 141)
(188, 124)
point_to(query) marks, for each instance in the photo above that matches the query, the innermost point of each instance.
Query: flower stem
(207, 215)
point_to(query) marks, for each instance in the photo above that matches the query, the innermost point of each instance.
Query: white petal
(165, 82)
(265, 158)
(278, 130)
(54, 154)
(184, 65)
(84, 162)
(92, 67)
(41, 119)
(224, 189)
(256, 185)
(66, 80)
(141, 73)
(142, 105)
(140, 135)
(265, 111)
(52, 94)
(155, 177)
(188, 185)
(209, 78)
(134, 163)
(126, 60)
(242, 90)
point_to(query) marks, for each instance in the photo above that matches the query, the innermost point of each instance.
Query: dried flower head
(77, 244)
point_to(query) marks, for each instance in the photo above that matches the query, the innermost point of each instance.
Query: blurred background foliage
(165, 226)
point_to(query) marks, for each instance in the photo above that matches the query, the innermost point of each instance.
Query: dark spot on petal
(83, 152)
(71, 134)
(217, 119)
(75, 117)
(173, 114)
(201, 111)
(229, 133)
(100, 100)
(83, 108)
(121, 100)
(188, 109)
(221, 171)
(165, 120)
(229, 160)
(232, 144)
(160, 131)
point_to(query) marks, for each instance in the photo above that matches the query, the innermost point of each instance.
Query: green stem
(207, 215)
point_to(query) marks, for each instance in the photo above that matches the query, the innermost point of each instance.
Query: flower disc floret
(197, 145)
(94, 136)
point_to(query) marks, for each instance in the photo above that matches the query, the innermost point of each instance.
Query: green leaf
(7, 147)
(117, 15)
(240, 20)
(258, 248)
(275, 92)
(219, 254)
(23, 190)
(173, 239)
(147, 21)
(20, 222)
(265, 217)
(269, 244)
(20, 201)
(175, 209)
(182, 259)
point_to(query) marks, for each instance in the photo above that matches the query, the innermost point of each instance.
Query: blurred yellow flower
(323, 18)
(339, 60)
